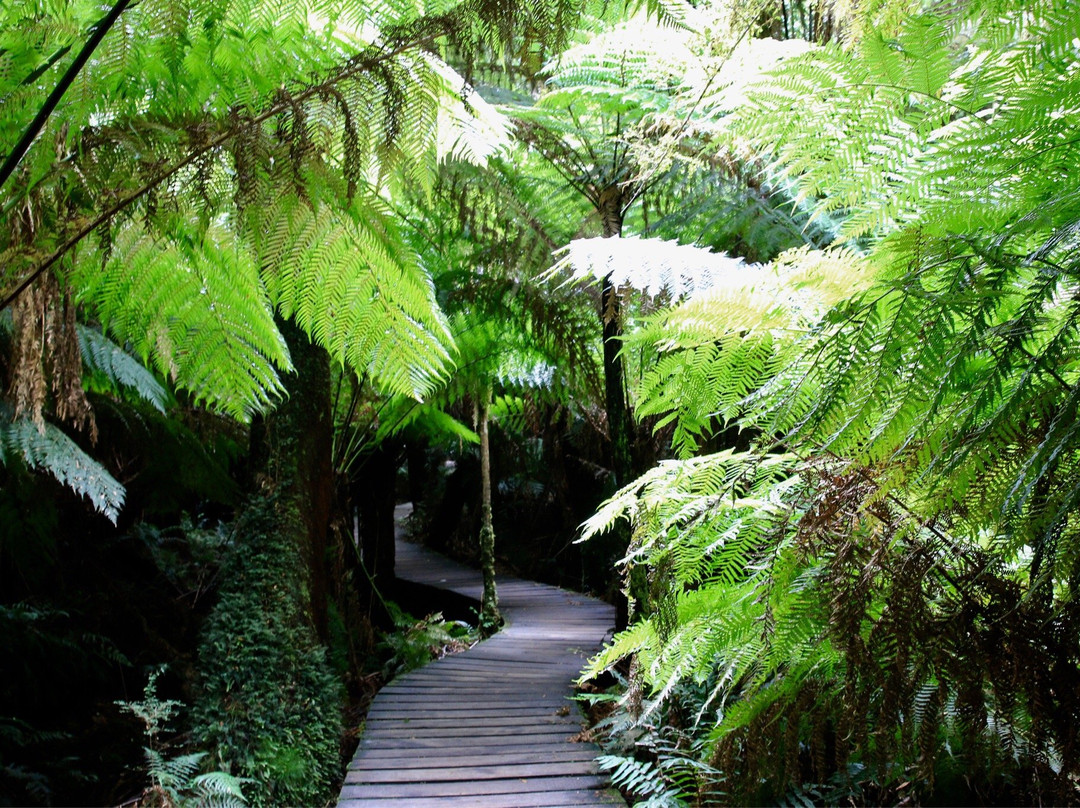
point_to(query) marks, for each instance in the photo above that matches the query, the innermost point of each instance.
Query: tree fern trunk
(618, 415)
(489, 603)
(374, 491)
(418, 471)
(291, 455)
(610, 208)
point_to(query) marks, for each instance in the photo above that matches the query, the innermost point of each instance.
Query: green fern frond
(219, 790)
(403, 414)
(731, 336)
(51, 451)
(642, 779)
(935, 405)
(119, 368)
(193, 307)
(173, 773)
(355, 286)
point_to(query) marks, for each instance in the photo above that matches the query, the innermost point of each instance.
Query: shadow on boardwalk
(490, 726)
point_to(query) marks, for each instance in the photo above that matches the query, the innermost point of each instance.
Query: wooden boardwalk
(491, 726)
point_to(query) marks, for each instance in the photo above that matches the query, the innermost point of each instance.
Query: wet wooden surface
(491, 726)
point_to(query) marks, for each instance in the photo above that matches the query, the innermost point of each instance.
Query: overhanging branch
(15, 156)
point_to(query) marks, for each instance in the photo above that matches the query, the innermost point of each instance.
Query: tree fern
(964, 294)
(352, 282)
(934, 410)
(736, 326)
(193, 306)
(200, 114)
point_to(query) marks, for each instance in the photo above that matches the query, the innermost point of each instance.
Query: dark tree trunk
(373, 490)
(291, 455)
(555, 461)
(620, 428)
(455, 515)
(418, 471)
(618, 413)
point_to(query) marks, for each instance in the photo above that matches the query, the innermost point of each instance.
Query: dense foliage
(215, 188)
(878, 600)
(808, 271)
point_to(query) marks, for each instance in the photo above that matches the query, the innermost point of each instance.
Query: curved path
(491, 726)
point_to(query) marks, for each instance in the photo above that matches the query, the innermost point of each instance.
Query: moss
(269, 706)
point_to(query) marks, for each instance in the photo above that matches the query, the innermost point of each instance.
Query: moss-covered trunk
(489, 603)
(292, 458)
(269, 704)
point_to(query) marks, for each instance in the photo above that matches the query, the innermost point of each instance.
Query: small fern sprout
(175, 781)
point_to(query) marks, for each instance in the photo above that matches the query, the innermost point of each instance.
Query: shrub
(414, 643)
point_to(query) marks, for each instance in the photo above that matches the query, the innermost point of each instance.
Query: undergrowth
(416, 642)
(175, 782)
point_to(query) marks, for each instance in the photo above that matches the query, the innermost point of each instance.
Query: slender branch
(551, 153)
(558, 147)
(46, 66)
(649, 179)
(16, 155)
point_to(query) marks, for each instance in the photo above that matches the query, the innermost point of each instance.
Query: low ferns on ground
(175, 782)
(642, 779)
(414, 643)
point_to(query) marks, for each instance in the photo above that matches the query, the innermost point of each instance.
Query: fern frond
(192, 306)
(642, 779)
(54, 453)
(355, 286)
(731, 336)
(119, 368)
(403, 414)
(220, 790)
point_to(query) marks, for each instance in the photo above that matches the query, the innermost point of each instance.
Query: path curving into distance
(491, 726)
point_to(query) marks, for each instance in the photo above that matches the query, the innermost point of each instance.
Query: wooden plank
(452, 734)
(469, 673)
(472, 722)
(439, 742)
(453, 685)
(507, 709)
(515, 785)
(540, 799)
(453, 756)
(428, 746)
(473, 773)
(448, 758)
(497, 714)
